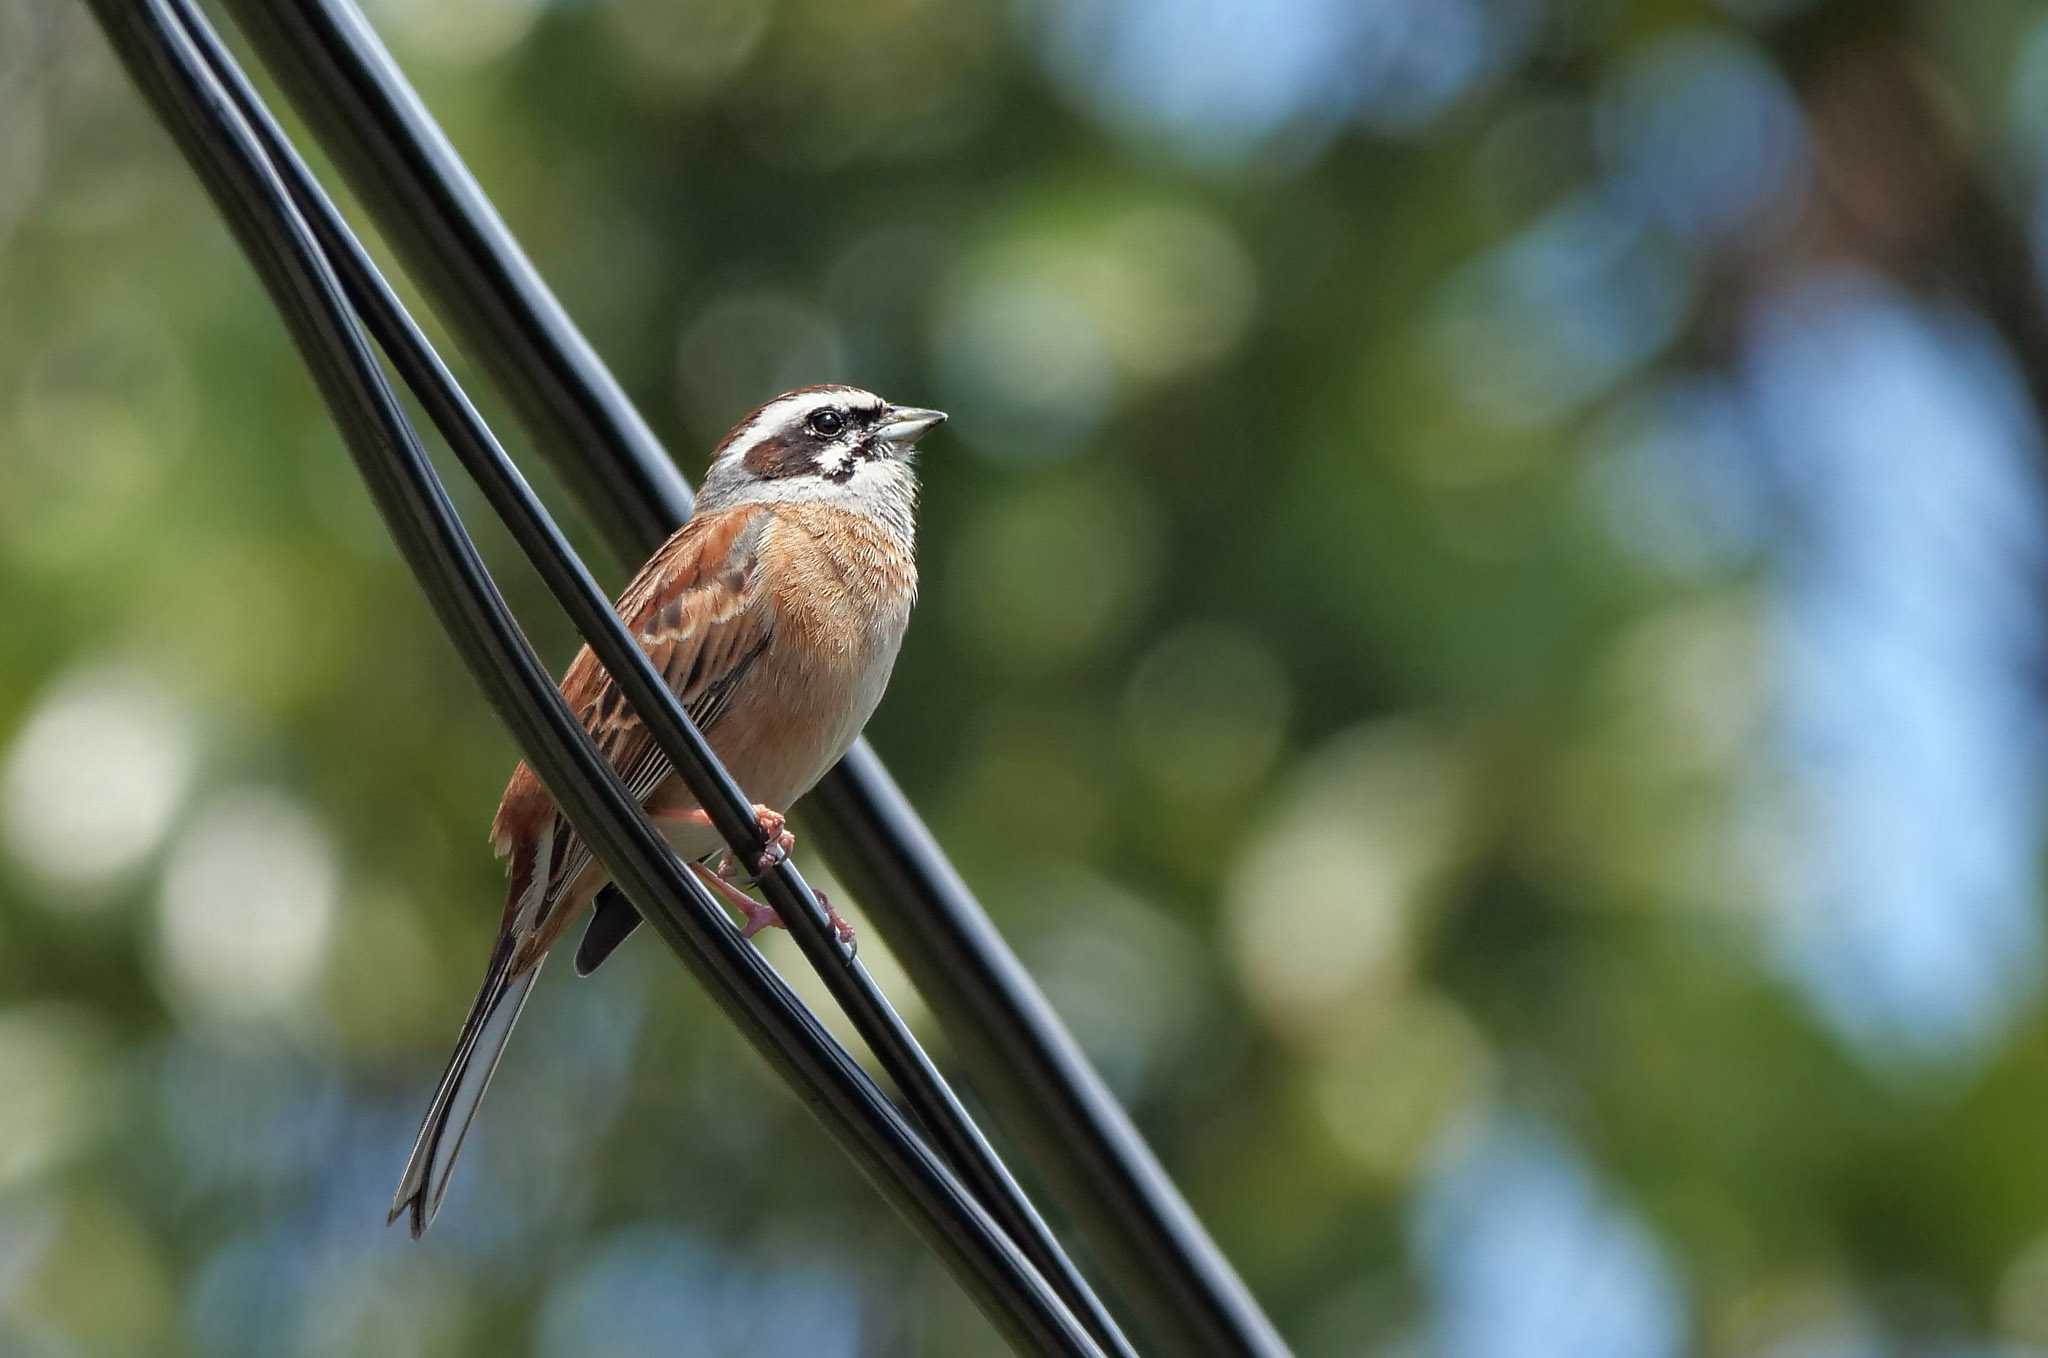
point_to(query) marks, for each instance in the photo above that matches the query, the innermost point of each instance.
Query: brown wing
(697, 611)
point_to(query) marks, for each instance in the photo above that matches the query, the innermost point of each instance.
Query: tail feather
(508, 980)
(462, 1087)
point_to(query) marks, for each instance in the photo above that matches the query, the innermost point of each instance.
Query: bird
(775, 616)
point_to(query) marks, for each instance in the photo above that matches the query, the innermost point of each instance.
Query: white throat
(882, 489)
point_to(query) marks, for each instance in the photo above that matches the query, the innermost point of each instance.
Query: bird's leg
(774, 828)
(761, 915)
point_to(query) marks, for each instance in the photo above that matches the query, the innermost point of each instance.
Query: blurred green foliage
(1384, 775)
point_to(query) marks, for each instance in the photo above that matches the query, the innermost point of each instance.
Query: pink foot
(774, 828)
(759, 915)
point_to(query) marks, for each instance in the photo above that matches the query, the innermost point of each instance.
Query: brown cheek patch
(779, 455)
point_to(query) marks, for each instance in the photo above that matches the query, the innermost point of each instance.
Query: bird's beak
(904, 425)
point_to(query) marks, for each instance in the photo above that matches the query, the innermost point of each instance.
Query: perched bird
(775, 615)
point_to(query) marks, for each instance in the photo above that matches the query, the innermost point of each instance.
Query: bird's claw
(760, 915)
(839, 925)
(775, 830)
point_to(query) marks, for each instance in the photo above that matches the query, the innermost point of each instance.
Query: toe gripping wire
(960, 1197)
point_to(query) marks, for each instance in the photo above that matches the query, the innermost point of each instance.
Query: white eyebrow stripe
(790, 409)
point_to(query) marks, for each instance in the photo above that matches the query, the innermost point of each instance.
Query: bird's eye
(827, 423)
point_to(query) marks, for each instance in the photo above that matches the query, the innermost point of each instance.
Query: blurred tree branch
(1900, 182)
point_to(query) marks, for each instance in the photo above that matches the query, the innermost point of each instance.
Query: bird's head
(832, 444)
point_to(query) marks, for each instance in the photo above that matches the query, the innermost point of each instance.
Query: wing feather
(698, 611)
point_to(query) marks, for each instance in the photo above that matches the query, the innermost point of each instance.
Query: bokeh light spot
(1323, 898)
(687, 46)
(1907, 625)
(1220, 83)
(1046, 576)
(1555, 316)
(248, 901)
(1173, 289)
(1123, 975)
(1702, 134)
(1529, 1257)
(93, 780)
(456, 32)
(1388, 1086)
(1043, 328)
(1024, 361)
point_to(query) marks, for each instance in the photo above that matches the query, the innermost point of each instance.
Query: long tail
(462, 1087)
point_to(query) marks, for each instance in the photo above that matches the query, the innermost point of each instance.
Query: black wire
(1016, 1052)
(192, 102)
(479, 451)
